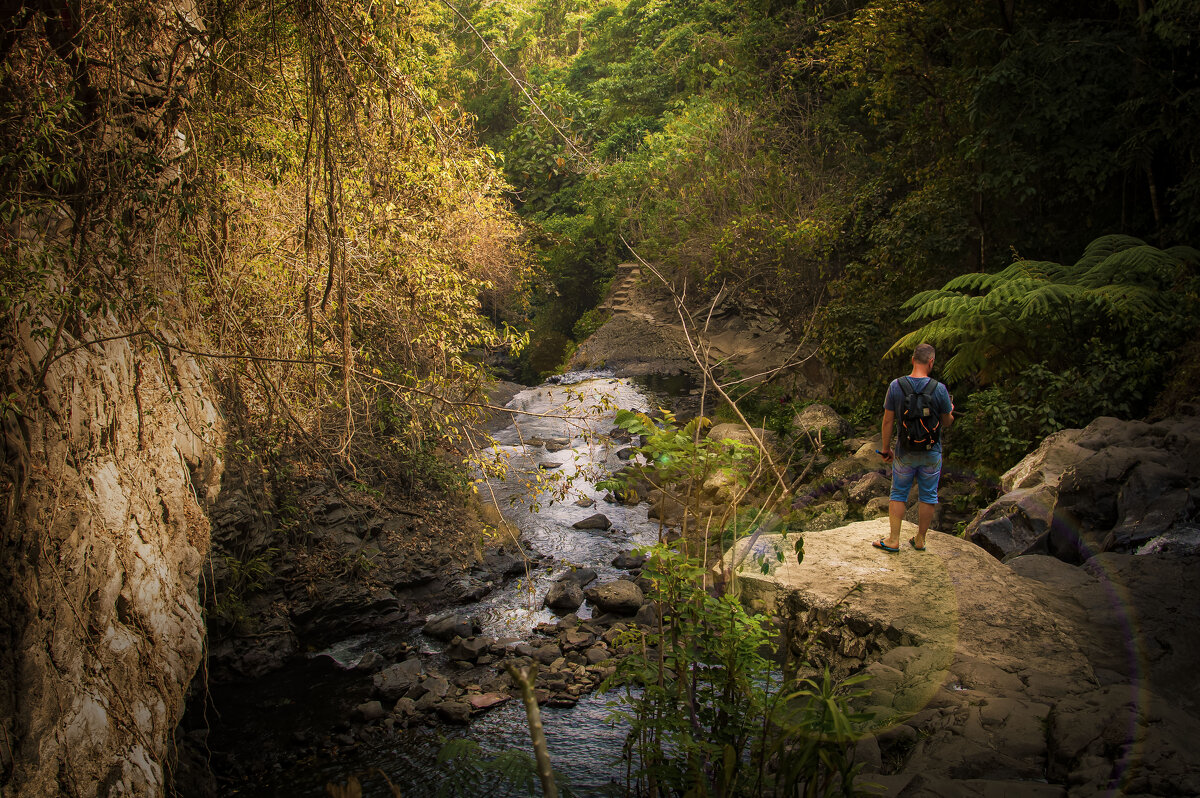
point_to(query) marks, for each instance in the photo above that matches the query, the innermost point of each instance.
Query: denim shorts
(926, 467)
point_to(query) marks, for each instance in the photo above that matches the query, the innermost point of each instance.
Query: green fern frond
(516, 768)
(458, 748)
(1123, 302)
(907, 343)
(1184, 255)
(1060, 272)
(968, 360)
(921, 298)
(1105, 247)
(997, 324)
(1137, 265)
(939, 333)
(947, 305)
(1028, 269)
(1007, 297)
(975, 282)
(1047, 299)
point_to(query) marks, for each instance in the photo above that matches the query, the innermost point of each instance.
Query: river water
(555, 449)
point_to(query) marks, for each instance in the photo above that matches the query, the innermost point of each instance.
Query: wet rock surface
(365, 567)
(620, 597)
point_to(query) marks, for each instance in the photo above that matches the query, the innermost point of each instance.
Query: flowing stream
(556, 448)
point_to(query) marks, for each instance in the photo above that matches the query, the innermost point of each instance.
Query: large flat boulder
(987, 676)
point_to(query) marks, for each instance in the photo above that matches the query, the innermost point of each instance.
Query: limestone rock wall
(107, 473)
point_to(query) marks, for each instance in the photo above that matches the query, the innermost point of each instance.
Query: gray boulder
(1017, 523)
(394, 681)
(665, 509)
(627, 560)
(647, 614)
(547, 654)
(503, 564)
(820, 422)
(741, 434)
(869, 487)
(370, 662)
(1046, 465)
(878, 506)
(566, 595)
(437, 686)
(597, 521)
(468, 649)
(1183, 540)
(621, 597)
(828, 515)
(448, 626)
(456, 712)
(580, 576)
(851, 468)
(597, 654)
(1112, 486)
(370, 710)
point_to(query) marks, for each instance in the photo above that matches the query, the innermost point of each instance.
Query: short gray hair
(923, 354)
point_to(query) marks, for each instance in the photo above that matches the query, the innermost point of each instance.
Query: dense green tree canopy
(858, 152)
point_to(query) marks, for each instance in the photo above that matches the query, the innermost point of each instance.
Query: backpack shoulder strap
(930, 387)
(906, 386)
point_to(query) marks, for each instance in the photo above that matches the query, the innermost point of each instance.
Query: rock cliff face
(108, 452)
(1113, 486)
(107, 473)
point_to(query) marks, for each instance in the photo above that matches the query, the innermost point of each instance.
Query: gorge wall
(107, 473)
(109, 455)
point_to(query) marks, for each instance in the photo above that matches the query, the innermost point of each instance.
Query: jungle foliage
(294, 180)
(1053, 345)
(711, 713)
(834, 159)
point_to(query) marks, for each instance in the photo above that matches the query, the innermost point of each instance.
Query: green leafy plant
(1034, 312)
(710, 713)
(243, 578)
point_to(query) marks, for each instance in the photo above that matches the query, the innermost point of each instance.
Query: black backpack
(920, 422)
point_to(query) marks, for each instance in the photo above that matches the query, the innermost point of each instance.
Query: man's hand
(886, 454)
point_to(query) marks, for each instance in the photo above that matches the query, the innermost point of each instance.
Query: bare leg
(924, 519)
(895, 516)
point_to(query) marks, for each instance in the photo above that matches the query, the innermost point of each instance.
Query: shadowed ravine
(563, 442)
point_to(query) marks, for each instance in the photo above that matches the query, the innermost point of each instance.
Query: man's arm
(889, 422)
(948, 417)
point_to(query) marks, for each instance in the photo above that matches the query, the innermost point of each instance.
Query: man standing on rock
(926, 410)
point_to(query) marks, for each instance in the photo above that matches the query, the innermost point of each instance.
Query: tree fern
(994, 325)
(1043, 300)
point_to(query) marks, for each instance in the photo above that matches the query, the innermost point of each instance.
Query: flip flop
(879, 544)
(913, 542)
